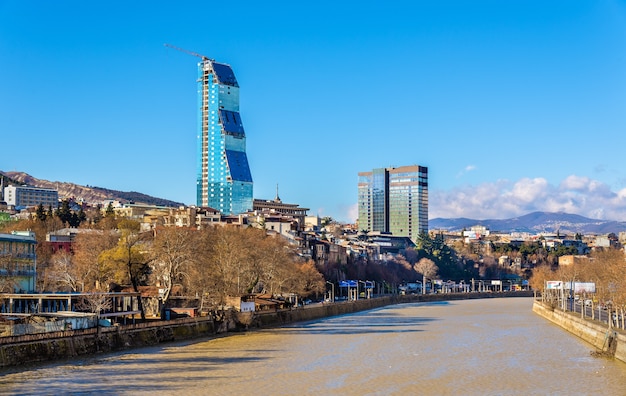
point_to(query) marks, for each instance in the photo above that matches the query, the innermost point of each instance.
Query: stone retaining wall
(596, 334)
(327, 310)
(67, 344)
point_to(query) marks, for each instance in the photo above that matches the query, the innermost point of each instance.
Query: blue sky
(514, 106)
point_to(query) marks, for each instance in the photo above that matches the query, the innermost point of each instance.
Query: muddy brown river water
(469, 347)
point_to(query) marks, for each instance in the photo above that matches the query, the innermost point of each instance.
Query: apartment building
(18, 262)
(25, 196)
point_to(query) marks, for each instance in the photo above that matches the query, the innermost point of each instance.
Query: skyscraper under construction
(224, 181)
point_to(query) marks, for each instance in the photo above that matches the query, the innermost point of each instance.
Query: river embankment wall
(28, 349)
(327, 310)
(605, 340)
(20, 350)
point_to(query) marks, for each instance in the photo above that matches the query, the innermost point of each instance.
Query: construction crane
(204, 58)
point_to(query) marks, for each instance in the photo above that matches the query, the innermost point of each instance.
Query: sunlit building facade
(18, 262)
(224, 181)
(25, 196)
(394, 200)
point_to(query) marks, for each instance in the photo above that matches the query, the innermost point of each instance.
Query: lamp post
(365, 289)
(332, 293)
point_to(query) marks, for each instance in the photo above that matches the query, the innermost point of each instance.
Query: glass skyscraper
(224, 181)
(394, 200)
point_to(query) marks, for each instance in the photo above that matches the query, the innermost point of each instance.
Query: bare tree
(92, 272)
(97, 303)
(173, 250)
(540, 276)
(62, 274)
(221, 264)
(428, 269)
(309, 280)
(610, 272)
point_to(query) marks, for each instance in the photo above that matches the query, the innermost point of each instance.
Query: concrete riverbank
(68, 344)
(607, 341)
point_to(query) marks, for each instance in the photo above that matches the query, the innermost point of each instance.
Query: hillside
(535, 222)
(88, 194)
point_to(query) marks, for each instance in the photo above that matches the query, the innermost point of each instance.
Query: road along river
(471, 347)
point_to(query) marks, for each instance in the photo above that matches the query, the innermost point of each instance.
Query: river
(470, 347)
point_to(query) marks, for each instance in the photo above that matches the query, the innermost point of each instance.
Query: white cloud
(343, 213)
(465, 170)
(504, 199)
(353, 212)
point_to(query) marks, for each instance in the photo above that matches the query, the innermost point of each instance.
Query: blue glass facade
(224, 181)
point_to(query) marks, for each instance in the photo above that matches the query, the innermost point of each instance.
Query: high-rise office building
(224, 181)
(394, 200)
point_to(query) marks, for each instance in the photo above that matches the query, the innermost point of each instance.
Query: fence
(63, 333)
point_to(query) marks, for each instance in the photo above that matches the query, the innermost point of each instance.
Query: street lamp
(332, 295)
(364, 288)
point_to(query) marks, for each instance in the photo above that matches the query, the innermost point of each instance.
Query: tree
(272, 258)
(609, 268)
(40, 213)
(8, 284)
(222, 267)
(428, 269)
(43, 250)
(129, 257)
(64, 213)
(173, 250)
(62, 275)
(96, 303)
(109, 211)
(308, 280)
(326, 221)
(540, 275)
(93, 272)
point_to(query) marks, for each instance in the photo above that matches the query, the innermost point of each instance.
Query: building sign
(348, 283)
(554, 285)
(584, 287)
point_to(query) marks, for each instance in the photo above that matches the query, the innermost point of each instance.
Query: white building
(24, 196)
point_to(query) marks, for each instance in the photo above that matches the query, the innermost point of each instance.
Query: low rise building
(62, 239)
(192, 216)
(25, 196)
(276, 206)
(18, 262)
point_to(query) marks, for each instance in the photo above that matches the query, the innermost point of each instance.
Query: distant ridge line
(88, 194)
(534, 223)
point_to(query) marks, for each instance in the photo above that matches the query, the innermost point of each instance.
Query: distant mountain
(535, 222)
(89, 194)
